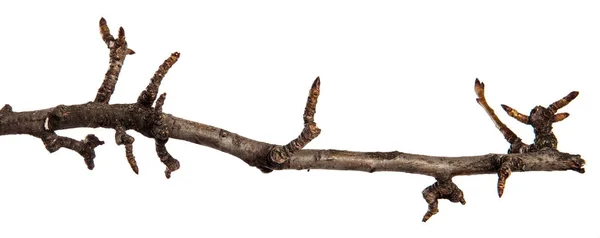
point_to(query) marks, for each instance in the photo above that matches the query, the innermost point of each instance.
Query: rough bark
(151, 122)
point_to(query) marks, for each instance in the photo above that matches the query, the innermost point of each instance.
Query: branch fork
(540, 118)
(159, 131)
(118, 51)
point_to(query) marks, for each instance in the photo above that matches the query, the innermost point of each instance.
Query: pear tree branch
(147, 117)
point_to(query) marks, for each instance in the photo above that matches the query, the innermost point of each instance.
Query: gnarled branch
(153, 123)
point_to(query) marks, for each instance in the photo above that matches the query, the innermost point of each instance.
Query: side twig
(161, 136)
(280, 154)
(122, 138)
(516, 145)
(118, 52)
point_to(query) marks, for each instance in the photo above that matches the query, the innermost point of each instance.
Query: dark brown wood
(118, 52)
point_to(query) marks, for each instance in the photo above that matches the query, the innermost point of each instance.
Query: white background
(395, 76)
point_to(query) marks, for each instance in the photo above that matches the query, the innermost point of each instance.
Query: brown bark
(153, 123)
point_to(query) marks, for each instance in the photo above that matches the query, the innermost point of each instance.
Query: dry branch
(151, 122)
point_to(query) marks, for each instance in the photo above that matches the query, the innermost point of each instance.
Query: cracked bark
(153, 123)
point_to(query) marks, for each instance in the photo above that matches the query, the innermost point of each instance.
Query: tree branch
(122, 138)
(118, 52)
(280, 154)
(151, 122)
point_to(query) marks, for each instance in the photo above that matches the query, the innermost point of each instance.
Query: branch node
(5, 110)
(280, 154)
(441, 189)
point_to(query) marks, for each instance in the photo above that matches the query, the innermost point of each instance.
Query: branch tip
(503, 174)
(105, 33)
(479, 87)
(563, 101)
(171, 163)
(516, 114)
(311, 102)
(560, 116)
(121, 34)
(572, 95)
(175, 56)
(131, 159)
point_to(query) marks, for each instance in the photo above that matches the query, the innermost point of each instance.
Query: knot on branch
(280, 154)
(5, 110)
(161, 136)
(55, 116)
(442, 189)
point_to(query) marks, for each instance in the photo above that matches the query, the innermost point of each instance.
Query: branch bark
(151, 122)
